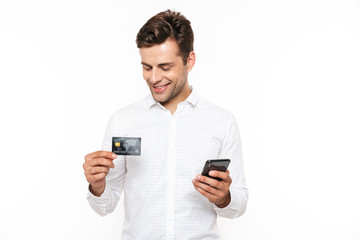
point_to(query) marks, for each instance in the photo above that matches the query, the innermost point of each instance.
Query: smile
(161, 88)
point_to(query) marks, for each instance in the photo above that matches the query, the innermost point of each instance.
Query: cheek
(172, 75)
(168, 76)
(146, 75)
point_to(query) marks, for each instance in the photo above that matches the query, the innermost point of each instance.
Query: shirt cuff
(230, 210)
(99, 200)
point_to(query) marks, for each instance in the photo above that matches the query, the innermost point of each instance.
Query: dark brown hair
(164, 25)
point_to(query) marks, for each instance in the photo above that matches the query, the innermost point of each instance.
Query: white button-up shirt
(160, 200)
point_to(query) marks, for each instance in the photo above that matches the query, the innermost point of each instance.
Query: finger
(206, 194)
(212, 182)
(206, 187)
(101, 162)
(223, 175)
(96, 170)
(95, 178)
(101, 154)
(99, 176)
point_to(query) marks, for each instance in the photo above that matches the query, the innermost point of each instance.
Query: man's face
(164, 71)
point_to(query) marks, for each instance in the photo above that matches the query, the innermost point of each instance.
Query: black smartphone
(215, 164)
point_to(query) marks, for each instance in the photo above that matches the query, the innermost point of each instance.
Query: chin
(160, 99)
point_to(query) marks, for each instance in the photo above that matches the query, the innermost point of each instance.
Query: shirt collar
(192, 99)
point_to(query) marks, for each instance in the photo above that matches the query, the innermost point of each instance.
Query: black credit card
(126, 146)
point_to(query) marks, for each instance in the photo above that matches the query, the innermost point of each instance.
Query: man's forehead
(167, 51)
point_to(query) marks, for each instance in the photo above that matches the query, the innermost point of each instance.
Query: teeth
(160, 87)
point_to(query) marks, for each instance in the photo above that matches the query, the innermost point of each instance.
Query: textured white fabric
(159, 197)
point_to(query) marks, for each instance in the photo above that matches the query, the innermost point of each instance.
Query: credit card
(126, 146)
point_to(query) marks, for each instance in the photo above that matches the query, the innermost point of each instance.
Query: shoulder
(211, 109)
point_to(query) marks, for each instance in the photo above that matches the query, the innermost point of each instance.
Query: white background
(288, 70)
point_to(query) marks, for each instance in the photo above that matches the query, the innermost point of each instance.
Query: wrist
(97, 191)
(225, 202)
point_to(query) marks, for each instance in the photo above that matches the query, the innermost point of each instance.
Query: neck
(182, 96)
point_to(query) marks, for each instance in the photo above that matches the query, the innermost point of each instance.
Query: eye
(165, 69)
(146, 68)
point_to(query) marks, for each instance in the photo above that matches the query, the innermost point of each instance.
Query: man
(165, 197)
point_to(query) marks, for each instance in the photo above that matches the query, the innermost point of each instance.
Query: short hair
(164, 25)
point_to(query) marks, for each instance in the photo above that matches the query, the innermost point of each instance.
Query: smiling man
(165, 72)
(176, 131)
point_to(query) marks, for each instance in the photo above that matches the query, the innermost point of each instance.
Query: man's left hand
(217, 192)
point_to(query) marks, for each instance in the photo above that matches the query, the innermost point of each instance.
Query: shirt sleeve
(108, 200)
(232, 150)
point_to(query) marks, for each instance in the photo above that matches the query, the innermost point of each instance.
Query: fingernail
(198, 177)
(114, 155)
(193, 181)
(211, 173)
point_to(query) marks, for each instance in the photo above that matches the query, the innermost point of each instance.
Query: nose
(156, 75)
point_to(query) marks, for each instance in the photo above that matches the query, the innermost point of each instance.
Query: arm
(238, 193)
(104, 197)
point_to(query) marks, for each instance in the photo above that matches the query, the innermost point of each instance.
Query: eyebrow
(161, 64)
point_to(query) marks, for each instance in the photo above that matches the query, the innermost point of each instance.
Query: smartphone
(215, 164)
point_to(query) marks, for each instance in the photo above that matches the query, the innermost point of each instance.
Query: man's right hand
(96, 167)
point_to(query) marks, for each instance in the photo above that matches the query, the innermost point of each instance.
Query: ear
(190, 61)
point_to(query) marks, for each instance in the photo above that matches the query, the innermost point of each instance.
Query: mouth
(160, 88)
